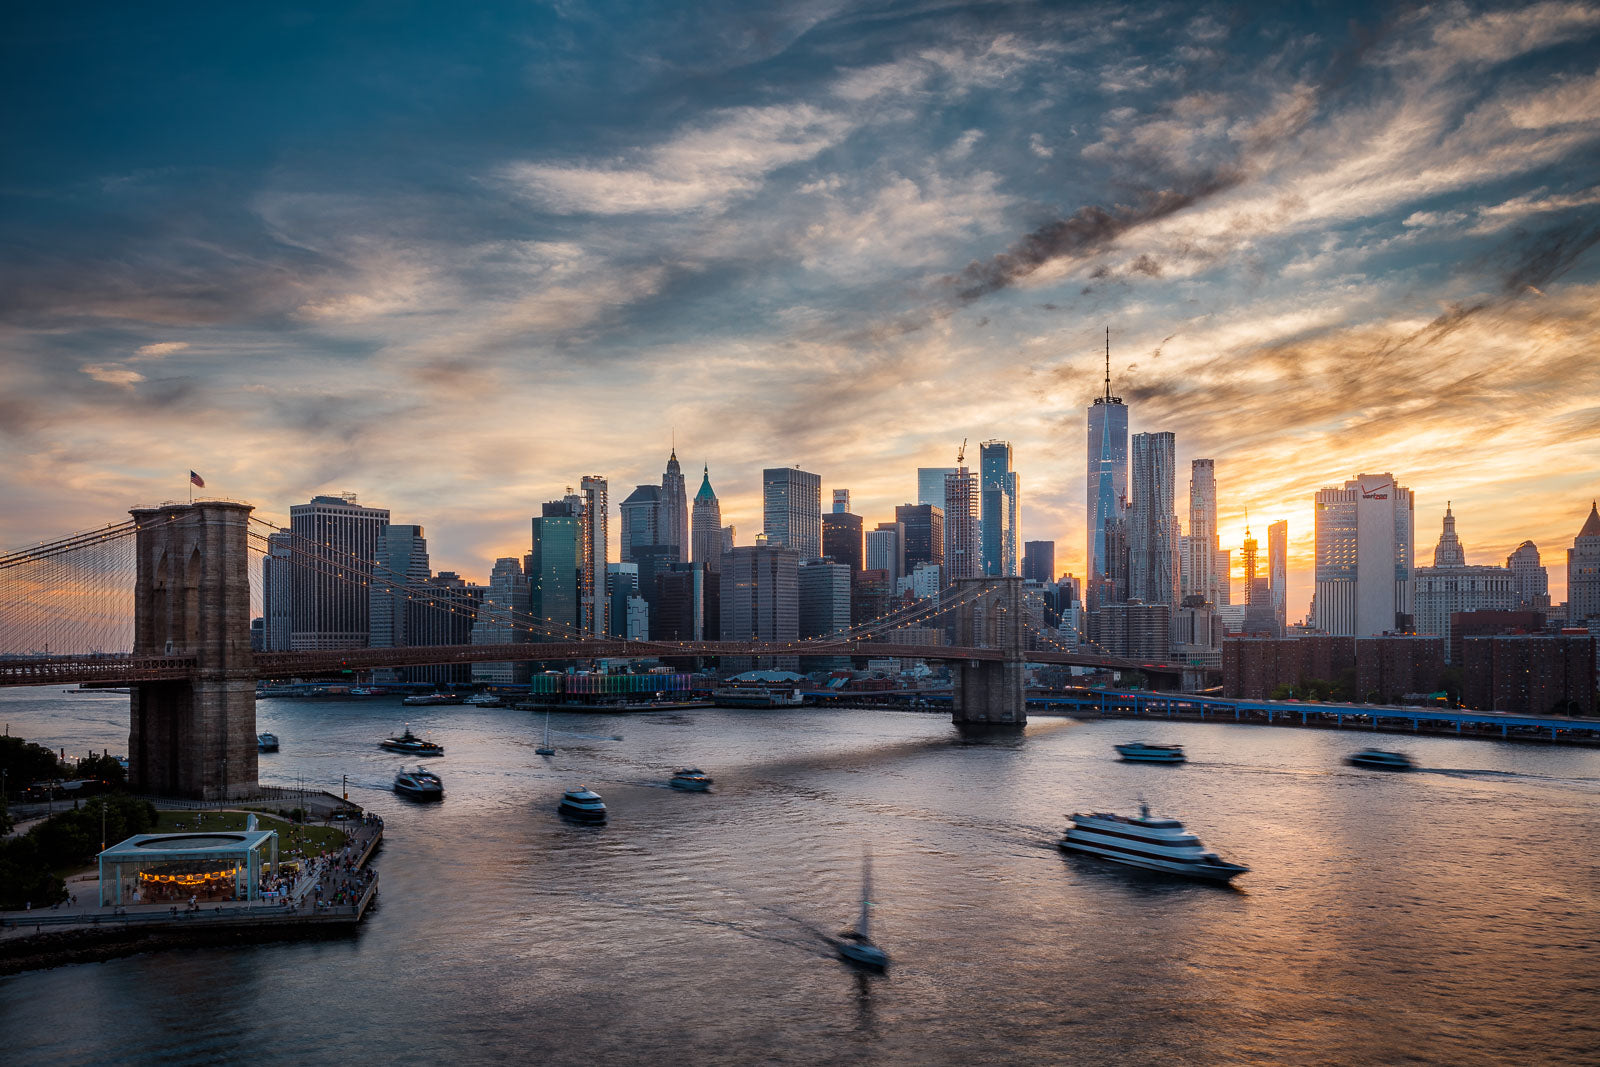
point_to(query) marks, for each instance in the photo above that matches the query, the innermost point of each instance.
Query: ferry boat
(691, 779)
(1152, 843)
(429, 700)
(1374, 757)
(483, 700)
(756, 697)
(267, 742)
(411, 744)
(1141, 752)
(419, 785)
(582, 804)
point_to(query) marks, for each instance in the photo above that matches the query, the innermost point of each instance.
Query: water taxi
(582, 804)
(691, 779)
(1155, 844)
(411, 744)
(1141, 752)
(1375, 757)
(419, 785)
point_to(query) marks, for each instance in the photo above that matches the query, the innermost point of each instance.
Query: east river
(1447, 916)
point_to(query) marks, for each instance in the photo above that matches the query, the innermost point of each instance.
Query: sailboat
(856, 946)
(545, 749)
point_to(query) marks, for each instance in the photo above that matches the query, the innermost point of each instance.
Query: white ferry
(1152, 843)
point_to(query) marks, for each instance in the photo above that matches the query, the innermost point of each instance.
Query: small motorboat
(582, 804)
(856, 946)
(411, 744)
(267, 742)
(1375, 757)
(691, 779)
(1142, 752)
(419, 785)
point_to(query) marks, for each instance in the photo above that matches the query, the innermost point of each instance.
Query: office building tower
(824, 598)
(962, 548)
(930, 485)
(841, 538)
(503, 620)
(622, 585)
(1528, 577)
(1451, 587)
(593, 610)
(1039, 561)
(1107, 478)
(1583, 572)
(1278, 572)
(1200, 556)
(641, 514)
(730, 536)
(277, 592)
(336, 542)
(841, 501)
(680, 603)
(672, 523)
(443, 611)
(1152, 523)
(999, 508)
(872, 595)
(761, 600)
(886, 550)
(1364, 557)
(707, 536)
(925, 580)
(791, 510)
(1222, 577)
(924, 526)
(1133, 630)
(653, 561)
(552, 569)
(400, 568)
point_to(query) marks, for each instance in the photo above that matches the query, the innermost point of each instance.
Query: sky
(454, 257)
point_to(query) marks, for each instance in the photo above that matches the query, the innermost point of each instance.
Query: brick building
(1530, 674)
(1390, 666)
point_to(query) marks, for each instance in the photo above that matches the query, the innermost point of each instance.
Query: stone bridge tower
(990, 692)
(194, 738)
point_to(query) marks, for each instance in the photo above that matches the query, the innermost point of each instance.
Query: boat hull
(411, 793)
(690, 785)
(1153, 758)
(1377, 764)
(412, 750)
(1221, 874)
(577, 814)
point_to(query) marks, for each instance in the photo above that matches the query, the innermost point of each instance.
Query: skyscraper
(791, 509)
(1583, 571)
(401, 566)
(824, 598)
(841, 501)
(277, 591)
(552, 569)
(1450, 587)
(886, 550)
(998, 508)
(1200, 568)
(1528, 577)
(1364, 554)
(672, 524)
(1152, 523)
(1278, 568)
(841, 538)
(1259, 617)
(336, 540)
(962, 550)
(930, 485)
(924, 525)
(594, 611)
(1107, 477)
(502, 620)
(641, 514)
(1039, 561)
(707, 525)
(761, 597)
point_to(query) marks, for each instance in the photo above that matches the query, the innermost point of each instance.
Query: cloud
(158, 349)
(702, 168)
(113, 374)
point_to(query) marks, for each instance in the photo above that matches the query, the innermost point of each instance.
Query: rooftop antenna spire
(1108, 364)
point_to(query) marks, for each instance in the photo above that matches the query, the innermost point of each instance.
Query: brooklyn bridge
(162, 603)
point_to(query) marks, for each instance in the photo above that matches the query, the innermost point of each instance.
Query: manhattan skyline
(454, 264)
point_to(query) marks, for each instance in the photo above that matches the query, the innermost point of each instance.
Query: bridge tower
(196, 737)
(990, 693)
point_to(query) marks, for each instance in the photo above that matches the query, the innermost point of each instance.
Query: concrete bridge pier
(195, 737)
(990, 694)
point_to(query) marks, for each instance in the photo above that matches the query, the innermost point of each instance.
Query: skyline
(1355, 241)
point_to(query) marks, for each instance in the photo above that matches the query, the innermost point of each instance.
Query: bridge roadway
(126, 669)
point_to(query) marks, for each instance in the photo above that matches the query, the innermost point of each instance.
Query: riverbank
(329, 893)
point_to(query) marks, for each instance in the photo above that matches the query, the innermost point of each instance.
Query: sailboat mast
(863, 923)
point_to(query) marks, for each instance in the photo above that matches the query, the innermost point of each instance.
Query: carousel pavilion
(163, 868)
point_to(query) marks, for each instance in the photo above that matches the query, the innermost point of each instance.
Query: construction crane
(961, 453)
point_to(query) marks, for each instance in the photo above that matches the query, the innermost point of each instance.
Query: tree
(1282, 691)
(25, 763)
(107, 769)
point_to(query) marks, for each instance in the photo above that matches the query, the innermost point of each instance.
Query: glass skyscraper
(1108, 483)
(999, 508)
(791, 509)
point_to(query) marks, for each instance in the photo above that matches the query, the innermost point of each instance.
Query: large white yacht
(1152, 843)
(1144, 752)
